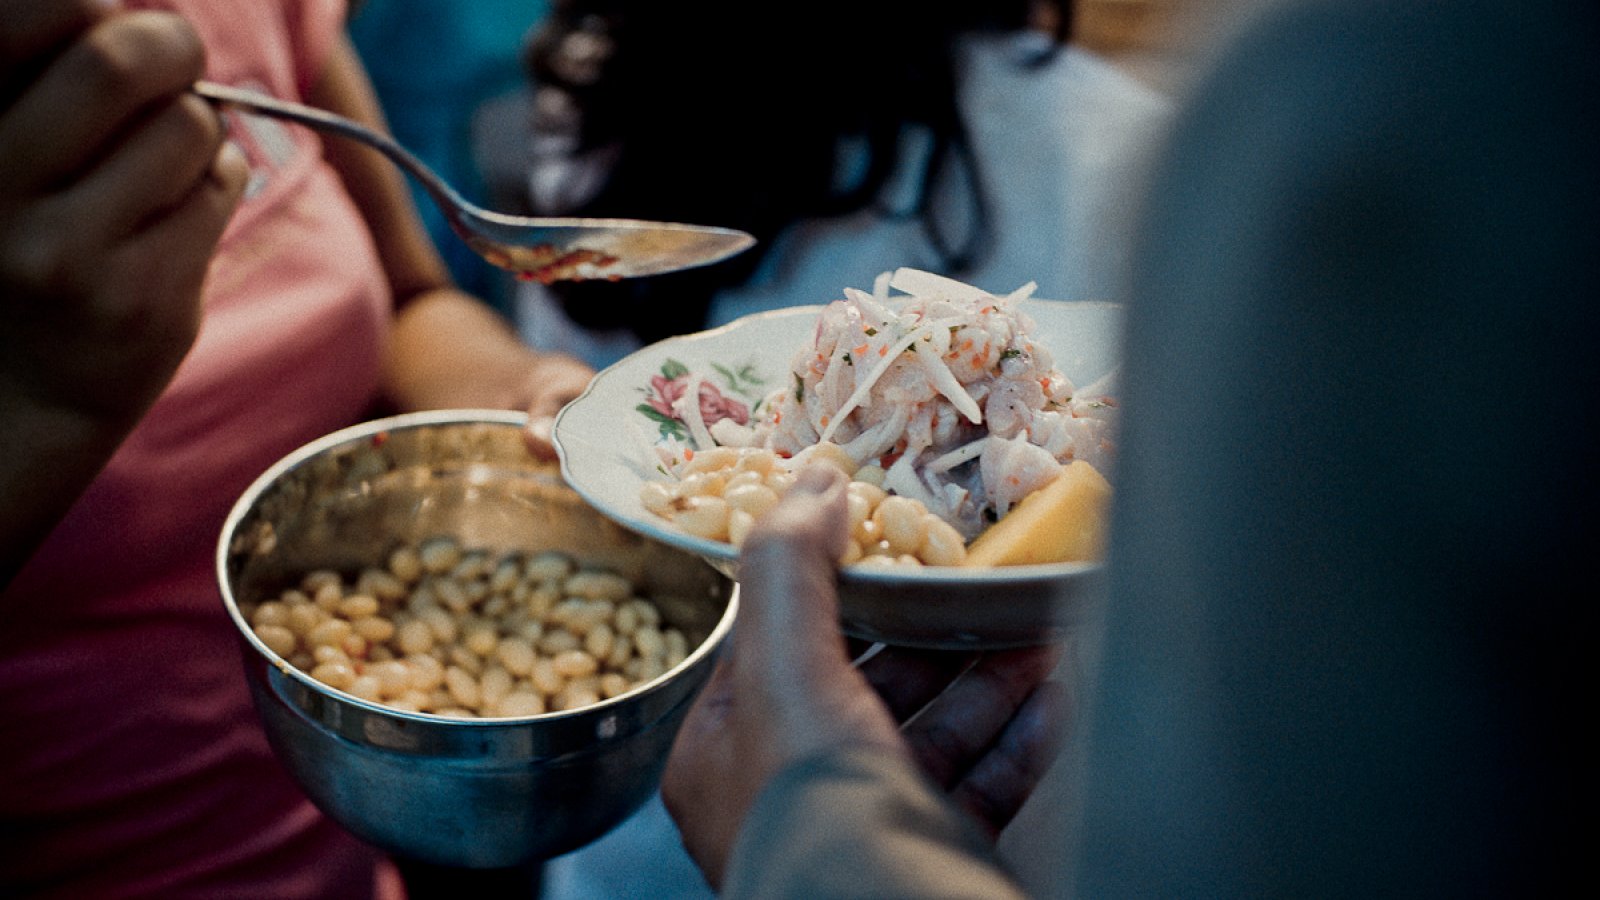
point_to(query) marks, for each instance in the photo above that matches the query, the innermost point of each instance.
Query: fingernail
(229, 155)
(815, 479)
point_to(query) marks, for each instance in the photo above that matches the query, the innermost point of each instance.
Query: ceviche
(926, 388)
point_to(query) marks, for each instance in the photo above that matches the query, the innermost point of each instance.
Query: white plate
(604, 437)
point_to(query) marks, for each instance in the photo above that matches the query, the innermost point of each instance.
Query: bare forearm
(449, 350)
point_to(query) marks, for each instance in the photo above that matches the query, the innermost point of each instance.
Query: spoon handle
(544, 249)
(322, 120)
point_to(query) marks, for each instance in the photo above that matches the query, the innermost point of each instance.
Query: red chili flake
(688, 454)
(379, 438)
(544, 265)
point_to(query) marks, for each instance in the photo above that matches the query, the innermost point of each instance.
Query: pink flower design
(714, 405)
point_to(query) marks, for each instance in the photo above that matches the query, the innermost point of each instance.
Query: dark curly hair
(729, 113)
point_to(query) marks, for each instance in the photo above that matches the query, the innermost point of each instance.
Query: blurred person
(974, 140)
(187, 297)
(1341, 650)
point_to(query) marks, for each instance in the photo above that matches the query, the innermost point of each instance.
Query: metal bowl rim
(343, 436)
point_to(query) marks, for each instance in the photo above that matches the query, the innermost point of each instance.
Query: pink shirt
(131, 761)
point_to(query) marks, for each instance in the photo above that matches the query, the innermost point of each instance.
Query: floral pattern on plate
(667, 388)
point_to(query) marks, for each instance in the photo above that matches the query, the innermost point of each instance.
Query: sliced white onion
(964, 453)
(944, 381)
(928, 285)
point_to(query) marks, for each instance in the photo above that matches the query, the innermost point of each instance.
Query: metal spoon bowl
(538, 249)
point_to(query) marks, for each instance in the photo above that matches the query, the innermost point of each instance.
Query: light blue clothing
(1059, 148)
(641, 859)
(433, 64)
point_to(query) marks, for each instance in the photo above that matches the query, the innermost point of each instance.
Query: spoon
(535, 249)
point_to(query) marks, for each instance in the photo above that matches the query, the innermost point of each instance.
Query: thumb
(539, 437)
(789, 606)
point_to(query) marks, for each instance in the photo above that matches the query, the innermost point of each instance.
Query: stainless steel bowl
(480, 793)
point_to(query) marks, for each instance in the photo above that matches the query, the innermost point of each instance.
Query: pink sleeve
(314, 26)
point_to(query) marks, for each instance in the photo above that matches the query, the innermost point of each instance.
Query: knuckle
(946, 745)
(992, 810)
(194, 123)
(128, 56)
(33, 258)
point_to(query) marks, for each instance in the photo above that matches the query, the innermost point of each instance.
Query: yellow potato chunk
(1064, 521)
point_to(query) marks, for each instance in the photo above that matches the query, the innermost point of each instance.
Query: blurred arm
(448, 349)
